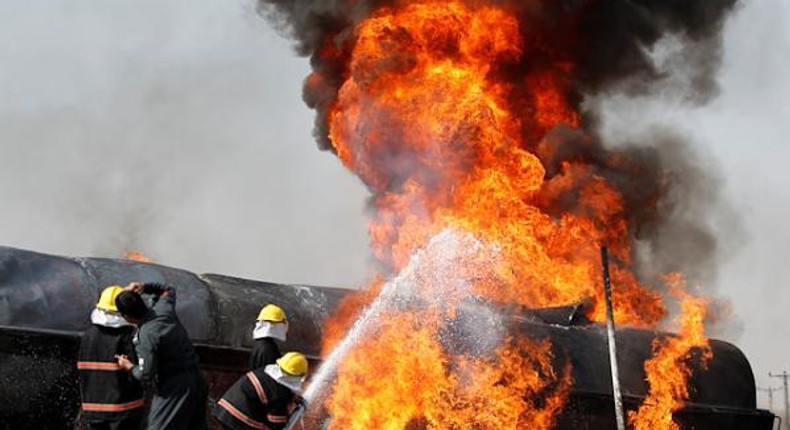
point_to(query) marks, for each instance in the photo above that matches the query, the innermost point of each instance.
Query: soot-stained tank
(723, 396)
(45, 303)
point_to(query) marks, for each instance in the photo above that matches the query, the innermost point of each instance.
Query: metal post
(607, 286)
(784, 375)
(770, 399)
(770, 392)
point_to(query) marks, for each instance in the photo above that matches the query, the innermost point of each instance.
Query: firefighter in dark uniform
(165, 356)
(111, 398)
(272, 326)
(264, 397)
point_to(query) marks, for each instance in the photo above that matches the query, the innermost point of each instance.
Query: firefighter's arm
(135, 287)
(146, 358)
(164, 294)
(124, 362)
(277, 418)
(153, 288)
(159, 290)
(295, 410)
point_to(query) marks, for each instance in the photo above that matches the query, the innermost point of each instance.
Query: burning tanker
(492, 192)
(554, 358)
(471, 124)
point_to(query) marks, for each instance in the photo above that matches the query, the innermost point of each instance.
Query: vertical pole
(787, 402)
(770, 399)
(770, 392)
(610, 331)
(784, 375)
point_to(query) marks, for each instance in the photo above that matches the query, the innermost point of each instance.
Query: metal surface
(784, 376)
(45, 302)
(52, 292)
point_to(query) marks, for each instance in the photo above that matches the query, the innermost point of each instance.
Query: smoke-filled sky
(177, 128)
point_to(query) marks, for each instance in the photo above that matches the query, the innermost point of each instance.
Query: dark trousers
(180, 403)
(131, 423)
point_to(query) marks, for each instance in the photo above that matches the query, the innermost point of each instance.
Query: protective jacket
(108, 393)
(264, 352)
(256, 401)
(166, 356)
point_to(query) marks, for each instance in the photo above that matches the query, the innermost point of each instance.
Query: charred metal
(45, 302)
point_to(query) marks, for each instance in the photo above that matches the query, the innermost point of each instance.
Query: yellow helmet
(272, 313)
(293, 363)
(107, 298)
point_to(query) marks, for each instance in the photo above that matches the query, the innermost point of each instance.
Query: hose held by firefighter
(265, 397)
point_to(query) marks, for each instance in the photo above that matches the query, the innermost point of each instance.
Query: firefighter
(264, 397)
(272, 325)
(111, 398)
(166, 357)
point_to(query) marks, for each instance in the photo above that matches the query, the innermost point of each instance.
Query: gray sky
(172, 127)
(176, 127)
(747, 129)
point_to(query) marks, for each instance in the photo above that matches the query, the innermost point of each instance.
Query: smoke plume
(588, 49)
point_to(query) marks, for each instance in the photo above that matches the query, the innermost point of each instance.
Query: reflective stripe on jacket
(101, 407)
(107, 392)
(255, 401)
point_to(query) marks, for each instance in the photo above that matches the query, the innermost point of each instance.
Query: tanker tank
(45, 303)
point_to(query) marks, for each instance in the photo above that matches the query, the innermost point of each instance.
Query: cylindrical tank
(45, 303)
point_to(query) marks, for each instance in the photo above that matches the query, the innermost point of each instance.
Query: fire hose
(296, 415)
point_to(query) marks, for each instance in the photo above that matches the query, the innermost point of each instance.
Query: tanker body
(45, 303)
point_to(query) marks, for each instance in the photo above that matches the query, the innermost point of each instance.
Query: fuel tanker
(46, 301)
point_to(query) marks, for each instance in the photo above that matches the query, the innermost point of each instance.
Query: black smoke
(609, 43)
(607, 40)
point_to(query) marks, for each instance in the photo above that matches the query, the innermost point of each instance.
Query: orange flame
(136, 256)
(424, 119)
(405, 371)
(670, 368)
(500, 394)
(401, 378)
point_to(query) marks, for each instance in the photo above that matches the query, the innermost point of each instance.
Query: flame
(136, 256)
(428, 388)
(430, 358)
(428, 118)
(502, 394)
(423, 122)
(670, 368)
(407, 356)
(347, 311)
